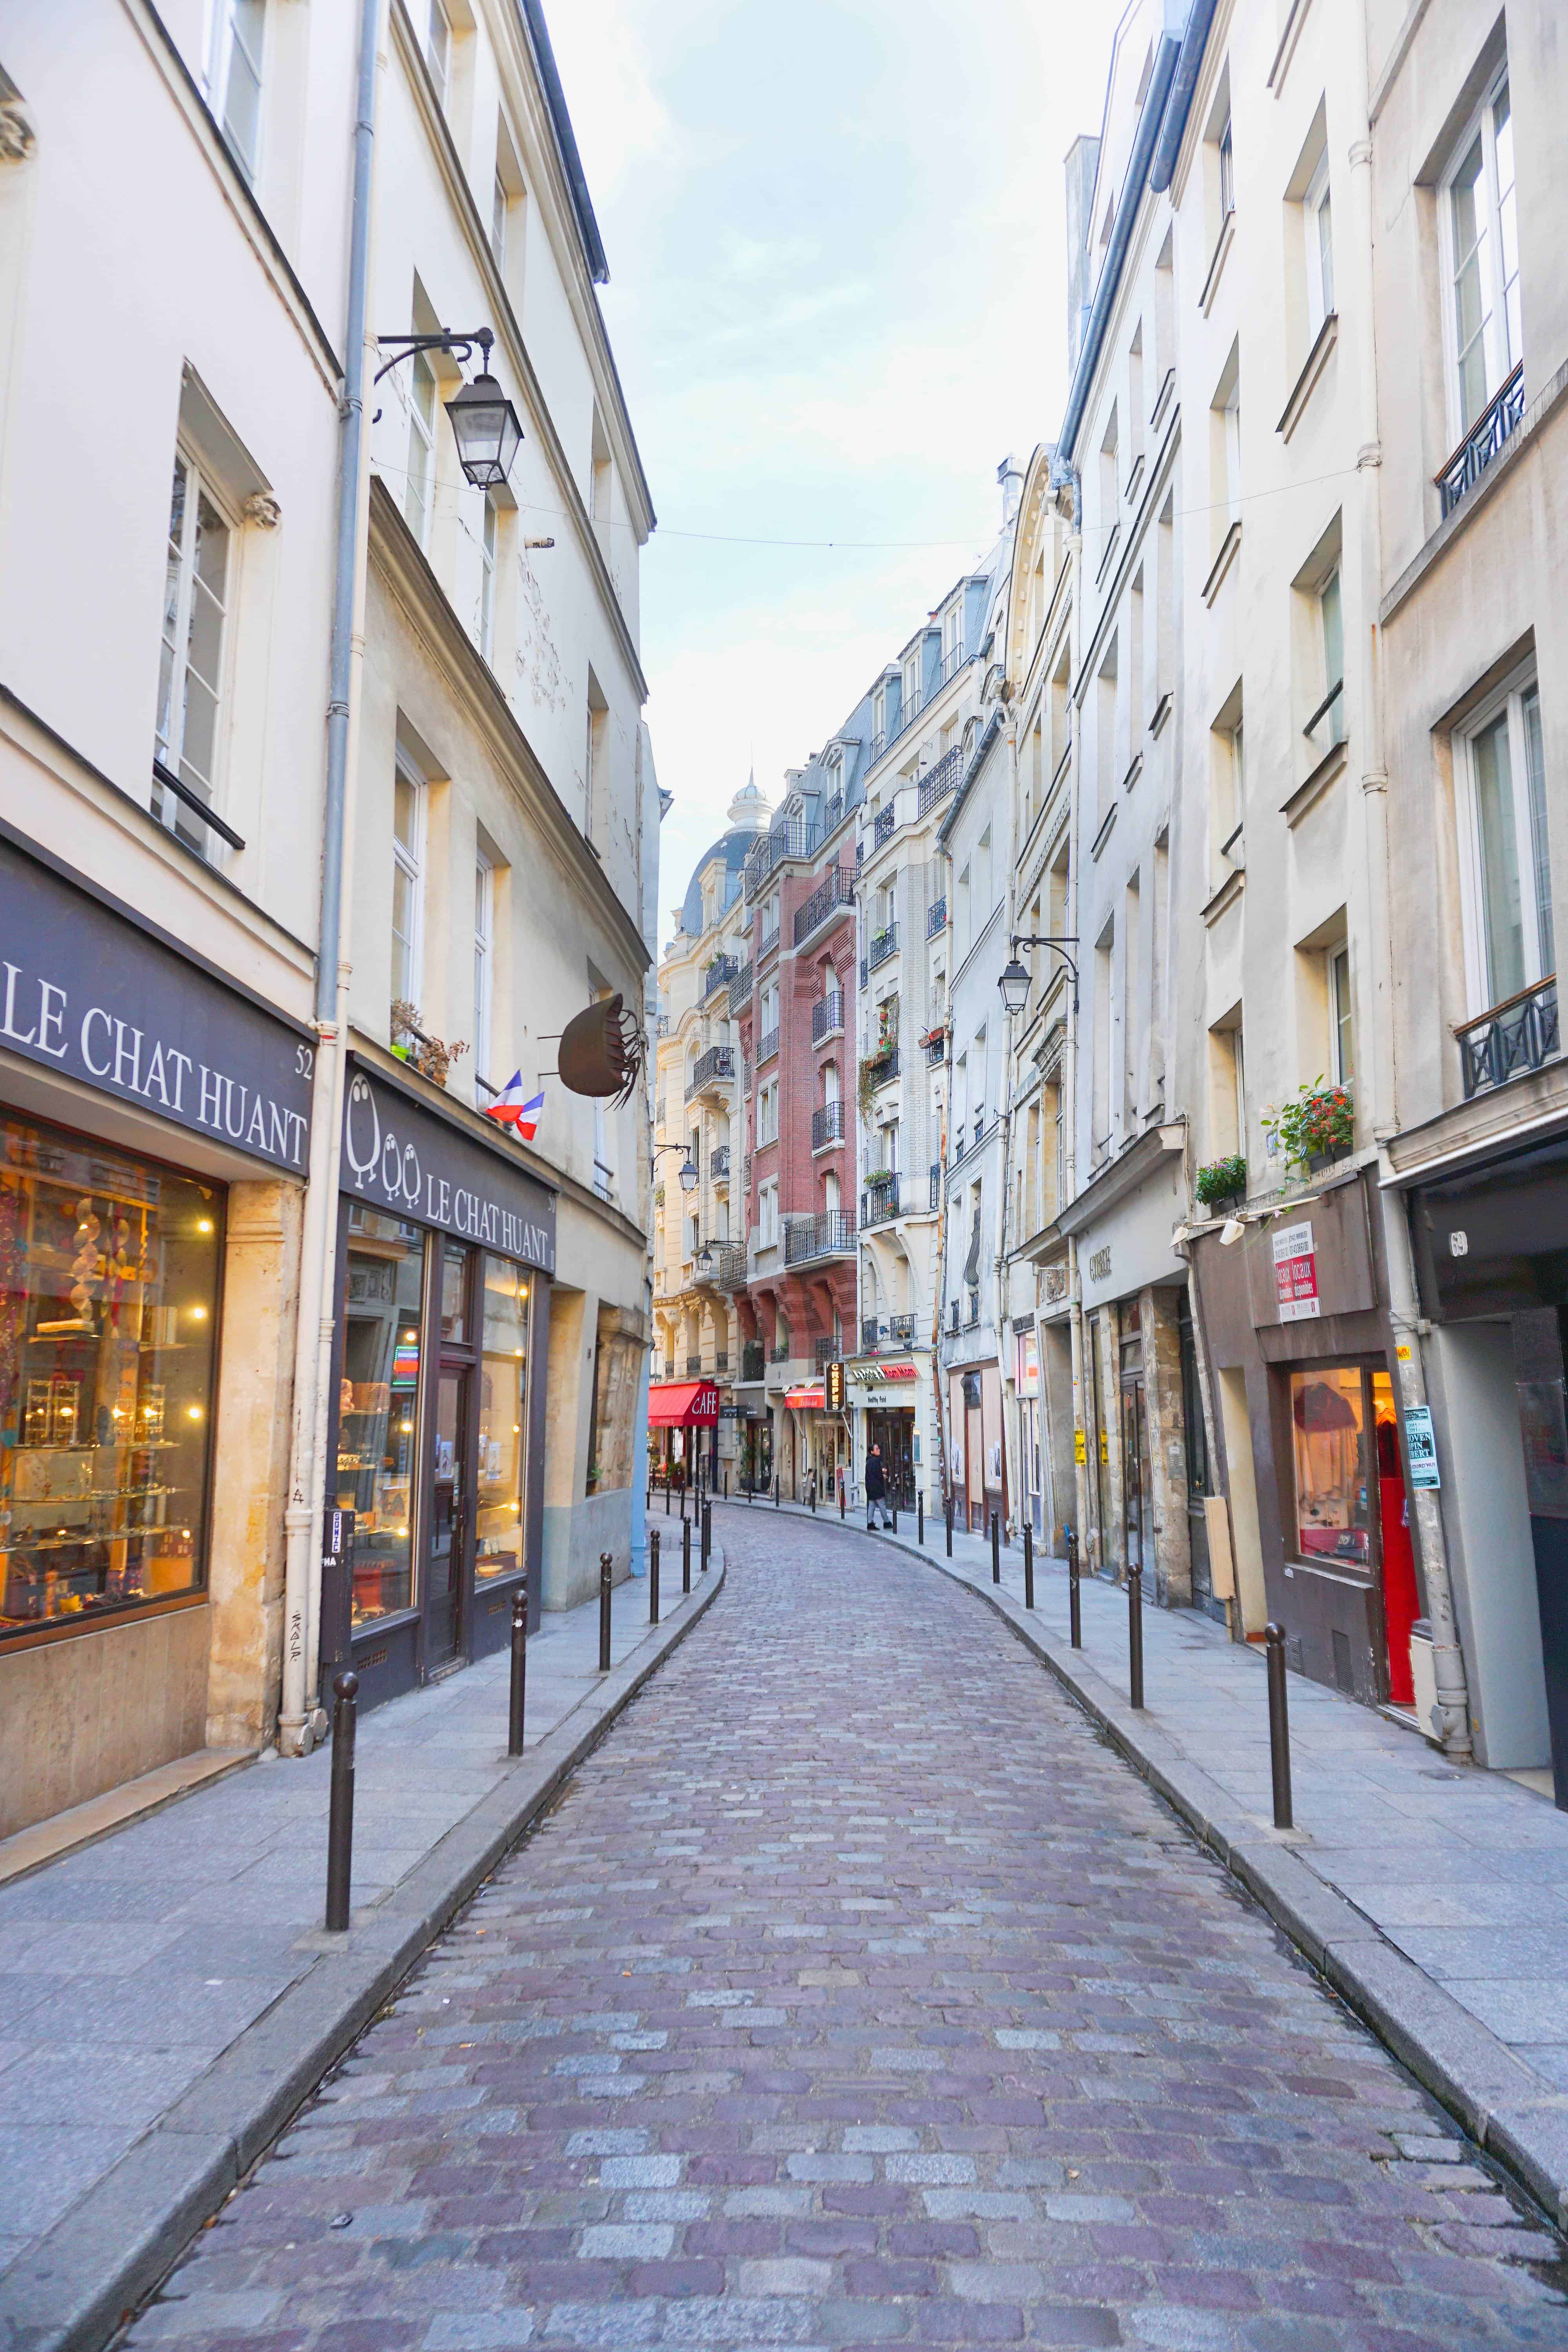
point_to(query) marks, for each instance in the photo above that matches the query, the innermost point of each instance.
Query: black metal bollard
(1075, 1607)
(811, 1492)
(518, 1670)
(1135, 1635)
(706, 1534)
(995, 1549)
(341, 1818)
(920, 1515)
(894, 1508)
(1278, 1726)
(726, 1482)
(653, 1579)
(1029, 1565)
(686, 1555)
(667, 1484)
(775, 1490)
(949, 1527)
(843, 1485)
(605, 1565)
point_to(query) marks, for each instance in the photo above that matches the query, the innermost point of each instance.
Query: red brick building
(795, 1008)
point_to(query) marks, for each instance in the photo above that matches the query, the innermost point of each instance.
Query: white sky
(838, 299)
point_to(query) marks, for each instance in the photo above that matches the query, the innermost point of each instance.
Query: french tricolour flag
(508, 1110)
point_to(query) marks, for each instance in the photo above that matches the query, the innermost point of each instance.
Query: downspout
(999, 1281)
(300, 1722)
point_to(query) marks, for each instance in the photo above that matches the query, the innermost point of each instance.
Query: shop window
(109, 1303)
(378, 1406)
(1328, 1423)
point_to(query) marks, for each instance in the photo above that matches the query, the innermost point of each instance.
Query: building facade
(318, 1361)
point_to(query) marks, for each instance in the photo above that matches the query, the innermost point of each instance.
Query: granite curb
(1499, 2102)
(72, 2291)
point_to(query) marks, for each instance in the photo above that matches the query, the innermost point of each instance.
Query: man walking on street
(876, 1490)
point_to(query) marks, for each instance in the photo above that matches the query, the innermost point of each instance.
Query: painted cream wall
(1307, 854)
(140, 257)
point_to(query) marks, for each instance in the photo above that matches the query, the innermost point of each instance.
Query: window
(1508, 870)
(1482, 260)
(1319, 249)
(1226, 170)
(768, 1112)
(196, 589)
(110, 1322)
(439, 49)
(484, 960)
(767, 1214)
(1330, 616)
(234, 85)
(497, 219)
(1335, 1411)
(407, 846)
(487, 581)
(503, 1421)
(1342, 1020)
(418, 492)
(596, 757)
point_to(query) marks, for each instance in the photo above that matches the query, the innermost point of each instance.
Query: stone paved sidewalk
(857, 1992)
(1463, 1871)
(129, 1967)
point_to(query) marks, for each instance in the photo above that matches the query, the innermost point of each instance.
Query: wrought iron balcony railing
(719, 1165)
(794, 838)
(829, 1234)
(884, 945)
(721, 1359)
(836, 889)
(870, 1331)
(938, 782)
(740, 986)
(751, 1360)
(730, 1270)
(1519, 1034)
(779, 1355)
(826, 1016)
(826, 1124)
(719, 972)
(936, 918)
(832, 814)
(880, 1202)
(767, 1048)
(882, 825)
(1483, 441)
(693, 1367)
(901, 1331)
(718, 1062)
(825, 1351)
(883, 1066)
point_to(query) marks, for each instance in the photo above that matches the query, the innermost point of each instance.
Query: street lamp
(704, 1263)
(1014, 981)
(690, 1178)
(484, 422)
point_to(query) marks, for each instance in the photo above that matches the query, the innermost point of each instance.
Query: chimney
(1010, 475)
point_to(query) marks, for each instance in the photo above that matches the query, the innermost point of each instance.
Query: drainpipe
(999, 1277)
(1404, 1308)
(300, 1722)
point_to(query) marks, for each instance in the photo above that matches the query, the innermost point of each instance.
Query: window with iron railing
(936, 918)
(901, 1329)
(1483, 441)
(882, 825)
(827, 1016)
(836, 889)
(938, 782)
(827, 1124)
(884, 945)
(879, 1201)
(767, 1048)
(752, 1360)
(870, 1332)
(827, 1234)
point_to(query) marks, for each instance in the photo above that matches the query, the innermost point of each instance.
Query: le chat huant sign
(405, 1159)
(93, 995)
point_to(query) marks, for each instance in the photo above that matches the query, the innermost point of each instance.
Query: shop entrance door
(451, 1518)
(893, 1429)
(1135, 1474)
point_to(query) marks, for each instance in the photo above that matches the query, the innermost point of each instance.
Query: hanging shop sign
(1421, 1445)
(406, 1159)
(95, 996)
(834, 1383)
(875, 1373)
(1296, 1274)
(730, 1412)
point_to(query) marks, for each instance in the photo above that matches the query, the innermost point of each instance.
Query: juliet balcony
(711, 1070)
(885, 944)
(826, 1124)
(1484, 441)
(827, 1017)
(1517, 1035)
(879, 1201)
(836, 890)
(830, 1233)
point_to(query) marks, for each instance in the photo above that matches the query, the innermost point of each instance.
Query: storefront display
(108, 1306)
(439, 1397)
(378, 1406)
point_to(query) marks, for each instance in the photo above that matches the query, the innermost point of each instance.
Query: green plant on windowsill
(878, 1176)
(1315, 1125)
(1222, 1181)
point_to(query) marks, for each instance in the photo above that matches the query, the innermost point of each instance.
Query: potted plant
(1222, 1186)
(1314, 1128)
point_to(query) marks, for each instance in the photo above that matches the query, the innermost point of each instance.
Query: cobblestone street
(855, 1992)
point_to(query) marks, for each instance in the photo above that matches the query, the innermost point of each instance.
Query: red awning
(683, 1405)
(806, 1400)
